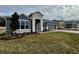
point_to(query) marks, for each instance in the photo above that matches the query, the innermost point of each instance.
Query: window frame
(25, 23)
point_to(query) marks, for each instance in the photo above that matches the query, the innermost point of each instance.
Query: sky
(51, 12)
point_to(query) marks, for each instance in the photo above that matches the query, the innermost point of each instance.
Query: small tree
(14, 22)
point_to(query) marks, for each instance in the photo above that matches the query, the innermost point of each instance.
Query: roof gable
(35, 13)
(23, 16)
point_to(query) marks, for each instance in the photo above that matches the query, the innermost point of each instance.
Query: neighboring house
(55, 24)
(30, 23)
(47, 25)
(73, 24)
(61, 25)
(68, 24)
(2, 21)
(77, 24)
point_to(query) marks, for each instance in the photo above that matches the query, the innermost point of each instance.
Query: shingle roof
(23, 16)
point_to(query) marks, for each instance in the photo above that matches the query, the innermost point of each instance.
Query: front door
(37, 25)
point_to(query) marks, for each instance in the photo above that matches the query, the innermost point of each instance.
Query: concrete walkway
(69, 31)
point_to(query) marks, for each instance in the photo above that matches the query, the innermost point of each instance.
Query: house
(61, 25)
(73, 24)
(30, 23)
(53, 24)
(35, 23)
(47, 25)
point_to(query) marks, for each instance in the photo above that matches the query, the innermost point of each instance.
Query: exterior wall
(8, 29)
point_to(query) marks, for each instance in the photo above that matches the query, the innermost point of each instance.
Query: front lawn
(54, 42)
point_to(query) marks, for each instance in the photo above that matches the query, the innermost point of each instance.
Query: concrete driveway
(69, 31)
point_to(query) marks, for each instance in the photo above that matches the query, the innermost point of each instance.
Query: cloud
(2, 14)
(59, 12)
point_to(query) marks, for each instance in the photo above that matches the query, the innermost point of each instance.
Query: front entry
(37, 25)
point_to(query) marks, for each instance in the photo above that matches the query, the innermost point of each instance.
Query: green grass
(54, 42)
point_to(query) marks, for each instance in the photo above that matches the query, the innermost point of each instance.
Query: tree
(14, 22)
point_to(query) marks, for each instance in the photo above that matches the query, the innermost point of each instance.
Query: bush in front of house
(5, 38)
(14, 22)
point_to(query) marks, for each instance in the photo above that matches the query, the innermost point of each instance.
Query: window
(22, 25)
(27, 24)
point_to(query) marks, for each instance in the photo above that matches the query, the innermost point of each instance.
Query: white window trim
(24, 23)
